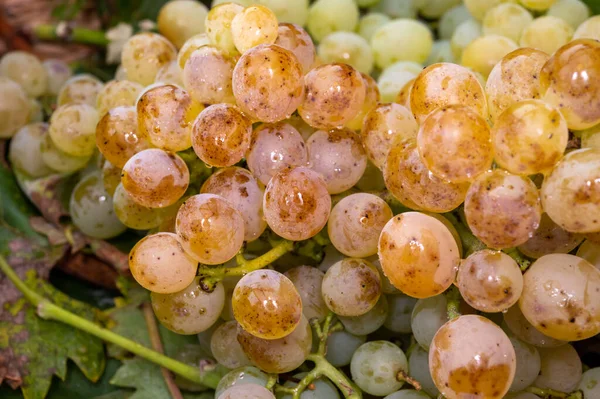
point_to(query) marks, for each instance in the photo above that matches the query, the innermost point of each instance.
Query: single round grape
(117, 93)
(375, 367)
(370, 23)
(574, 12)
(444, 84)
(280, 355)
(221, 135)
(389, 44)
(225, 347)
(471, 356)
(418, 364)
(308, 281)
(144, 54)
(159, 264)
(296, 203)
(409, 180)
(181, 19)
(80, 89)
(321, 388)
(537, 5)
(210, 228)
(73, 129)
(292, 11)
(241, 376)
(407, 394)
(334, 94)
(515, 78)
(589, 29)
(490, 281)
(516, 323)
(451, 20)
(341, 345)
(503, 210)
(267, 83)
(478, 8)
(386, 286)
(155, 178)
(118, 137)
(190, 310)
(170, 74)
(382, 127)
(418, 254)
(590, 251)
(567, 81)
(561, 369)
(508, 20)
(349, 48)
(351, 287)
(26, 70)
(547, 33)
(253, 26)
(484, 52)
(58, 73)
(393, 79)
(322, 21)
(463, 35)
(590, 383)
(248, 391)
(132, 214)
(191, 45)
(356, 222)
(58, 160)
(550, 238)
(571, 192)
(294, 38)
(561, 297)
(372, 98)
(218, 26)
(273, 148)
(14, 107)
(398, 318)
(528, 364)
(25, 153)
(165, 116)
(207, 76)
(428, 316)
(369, 322)
(244, 192)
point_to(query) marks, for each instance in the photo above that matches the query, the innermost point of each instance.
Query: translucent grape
(371, 100)
(73, 129)
(58, 160)
(590, 251)
(463, 35)
(568, 81)
(218, 26)
(339, 157)
(210, 229)
(389, 46)
(349, 48)
(190, 310)
(308, 281)
(517, 323)
(547, 34)
(191, 45)
(407, 394)
(418, 364)
(538, 5)
(334, 94)
(369, 322)
(296, 203)
(117, 93)
(207, 76)
(25, 153)
(418, 254)
(528, 364)
(181, 19)
(273, 148)
(221, 135)
(574, 12)
(294, 38)
(589, 29)
(356, 222)
(561, 369)
(574, 206)
(341, 345)
(80, 89)
(225, 347)
(321, 21)
(159, 264)
(444, 84)
(550, 238)
(484, 52)
(383, 126)
(561, 297)
(253, 26)
(144, 54)
(506, 19)
(398, 318)
(393, 79)
(117, 135)
(451, 20)
(351, 287)
(375, 367)
(370, 23)
(515, 78)
(267, 83)
(323, 389)
(243, 191)
(241, 376)
(428, 316)
(471, 356)
(590, 383)
(132, 214)
(248, 391)
(58, 73)
(26, 70)
(155, 178)
(278, 355)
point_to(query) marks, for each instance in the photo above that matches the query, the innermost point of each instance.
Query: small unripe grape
(308, 281)
(550, 238)
(589, 29)
(117, 93)
(132, 214)
(225, 347)
(73, 129)
(242, 376)
(218, 26)
(484, 52)
(58, 160)
(144, 54)
(253, 26)
(80, 89)
(58, 73)
(375, 367)
(207, 76)
(181, 19)
(294, 38)
(341, 345)
(349, 48)
(25, 153)
(369, 322)
(388, 47)
(26, 70)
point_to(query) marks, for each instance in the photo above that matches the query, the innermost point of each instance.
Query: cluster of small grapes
(299, 138)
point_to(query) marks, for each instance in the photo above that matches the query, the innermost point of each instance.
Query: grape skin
(192, 44)
(241, 376)
(132, 214)
(561, 369)
(181, 19)
(418, 364)
(248, 391)
(400, 308)
(516, 323)
(590, 251)
(428, 316)
(207, 76)
(294, 38)
(218, 26)
(58, 160)
(26, 70)
(369, 322)
(372, 97)
(225, 347)
(375, 366)
(170, 74)
(590, 383)
(73, 129)
(308, 281)
(528, 364)
(486, 51)
(253, 26)
(14, 107)
(117, 93)
(144, 54)
(80, 89)
(546, 33)
(58, 73)
(25, 152)
(341, 345)
(550, 238)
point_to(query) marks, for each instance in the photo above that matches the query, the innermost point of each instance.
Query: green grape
(73, 129)
(253, 26)
(290, 11)
(117, 93)
(58, 73)
(464, 34)
(341, 345)
(590, 138)
(451, 20)
(369, 23)
(144, 54)
(393, 79)
(418, 364)
(14, 107)
(218, 27)
(295, 39)
(241, 376)
(80, 89)
(528, 364)
(440, 52)
(574, 12)
(506, 19)
(132, 214)
(478, 8)
(428, 315)
(400, 308)
(407, 394)
(36, 113)
(389, 44)
(190, 310)
(590, 251)
(369, 322)
(547, 34)
(58, 160)
(25, 150)
(561, 369)
(323, 389)
(91, 209)
(537, 5)
(225, 347)
(322, 21)
(250, 391)
(589, 29)
(308, 281)
(396, 9)
(375, 366)
(111, 178)
(26, 70)
(590, 383)
(550, 238)
(179, 20)
(346, 47)
(483, 53)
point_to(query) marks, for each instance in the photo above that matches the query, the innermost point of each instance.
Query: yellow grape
(547, 34)
(550, 238)
(589, 29)
(155, 178)
(111, 177)
(179, 20)
(537, 5)
(575, 12)
(454, 143)
(144, 54)
(403, 97)
(267, 305)
(418, 254)
(308, 281)
(218, 26)
(569, 82)
(506, 19)
(58, 160)
(294, 38)
(207, 76)
(132, 214)
(517, 324)
(192, 44)
(117, 93)
(170, 74)
(372, 97)
(73, 129)
(253, 26)
(444, 84)
(349, 48)
(484, 52)
(389, 44)
(80, 89)
(561, 297)
(58, 73)
(25, 151)
(159, 264)
(322, 21)
(26, 70)
(478, 8)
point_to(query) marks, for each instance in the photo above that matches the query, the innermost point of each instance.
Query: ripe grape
(395, 77)
(389, 46)
(375, 367)
(370, 23)
(550, 238)
(296, 203)
(294, 38)
(278, 355)
(80, 89)
(253, 26)
(528, 364)
(440, 52)
(418, 364)
(241, 376)
(589, 29)
(341, 345)
(14, 107)
(369, 322)
(225, 347)
(372, 97)
(73, 129)
(428, 316)
(506, 19)
(190, 310)
(517, 323)
(210, 229)
(351, 287)
(471, 356)
(207, 76)
(191, 45)
(561, 369)
(181, 19)
(26, 70)
(308, 281)
(155, 178)
(117, 93)
(400, 308)
(267, 83)
(321, 388)
(484, 52)
(58, 73)
(463, 35)
(575, 12)
(248, 391)
(218, 26)
(503, 210)
(170, 74)
(546, 33)
(58, 160)
(334, 94)
(25, 153)
(322, 21)
(144, 54)
(590, 383)
(347, 47)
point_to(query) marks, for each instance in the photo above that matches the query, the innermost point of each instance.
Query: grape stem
(453, 302)
(548, 393)
(208, 375)
(518, 257)
(469, 241)
(68, 33)
(403, 376)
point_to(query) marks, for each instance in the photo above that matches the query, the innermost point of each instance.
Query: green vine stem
(208, 375)
(453, 302)
(548, 393)
(470, 242)
(65, 32)
(521, 260)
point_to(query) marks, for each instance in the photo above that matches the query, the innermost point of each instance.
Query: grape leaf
(594, 6)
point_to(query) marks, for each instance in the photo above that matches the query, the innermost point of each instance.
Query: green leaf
(594, 6)
(76, 385)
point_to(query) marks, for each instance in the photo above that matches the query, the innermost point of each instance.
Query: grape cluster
(298, 209)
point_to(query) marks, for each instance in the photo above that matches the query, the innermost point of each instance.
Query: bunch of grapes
(457, 197)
